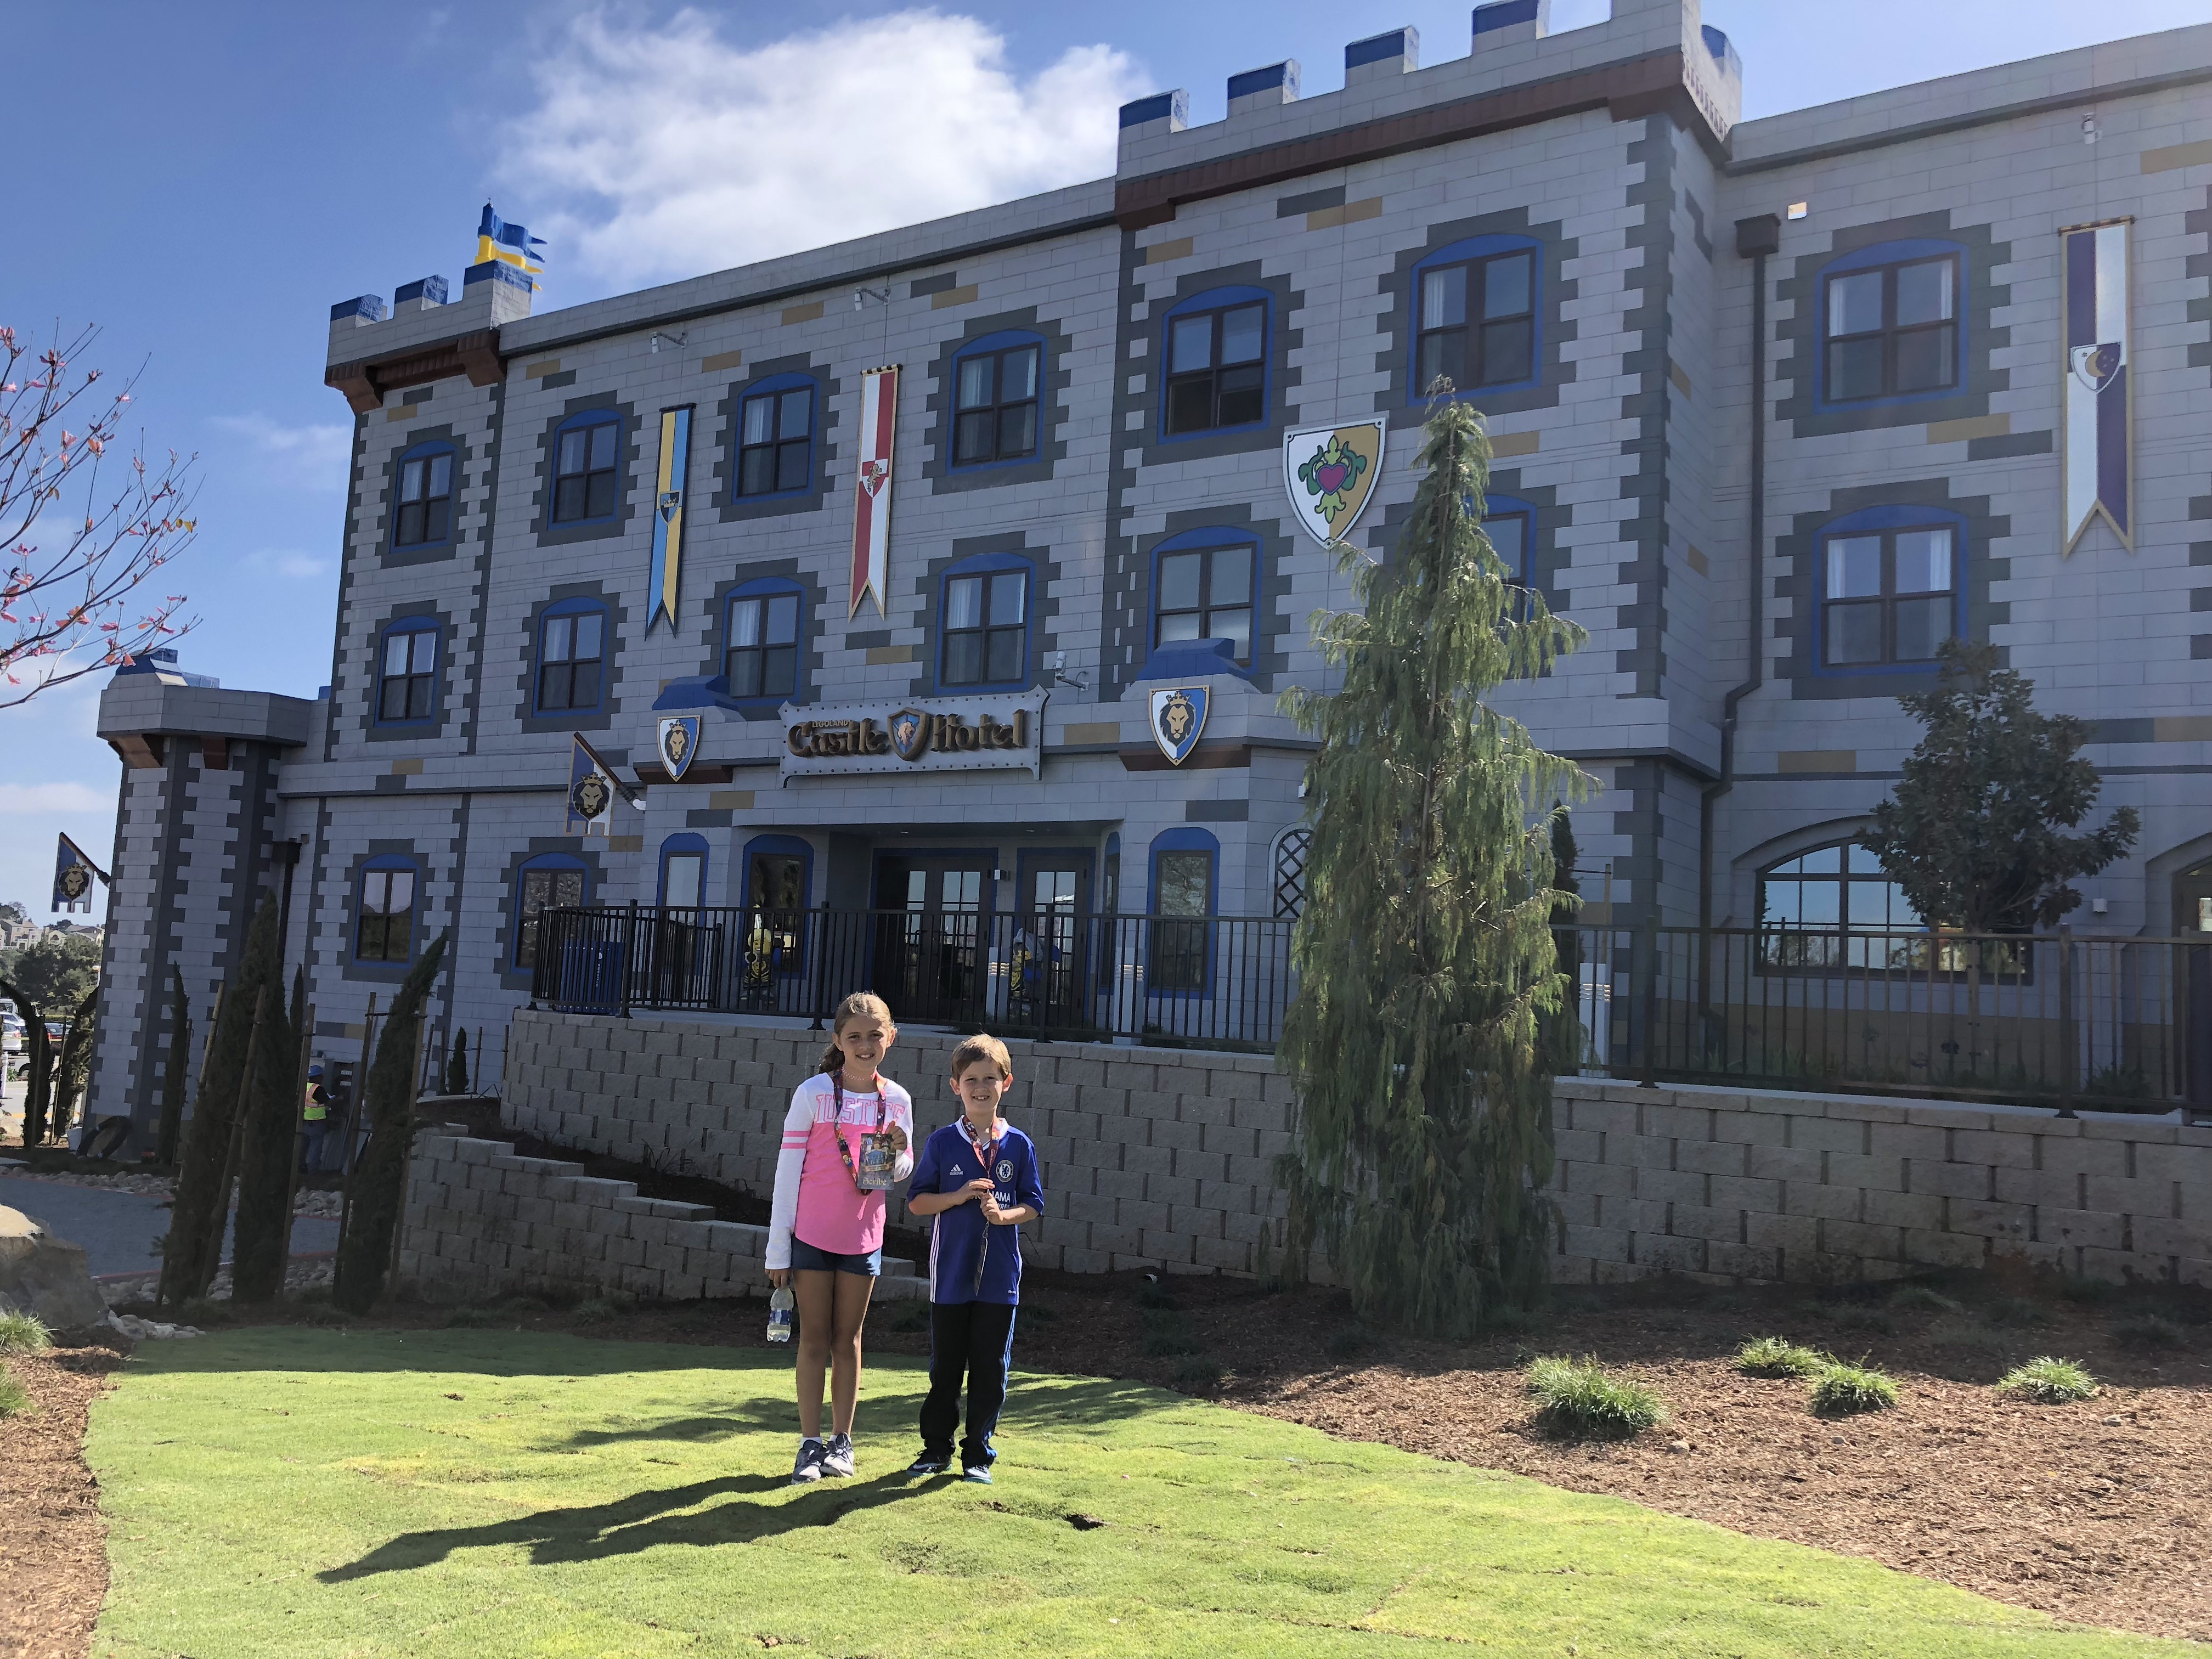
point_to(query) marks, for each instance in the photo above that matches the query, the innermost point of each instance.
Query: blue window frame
(684, 872)
(1890, 324)
(761, 639)
(779, 881)
(1186, 871)
(775, 437)
(424, 514)
(407, 672)
(586, 467)
(1890, 589)
(549, 881)
(1205, 587)
(572, 649)
(1510, 523)
(1816, 909)
(996, 387)
(1478, 309)
(983, 633)
(385, 898)
(1214, 362)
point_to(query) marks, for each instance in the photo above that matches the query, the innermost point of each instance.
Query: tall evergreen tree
(176, 1074)
(38, 1062)
(201, 1201)
(379, 1180)
(73, 1069)
(268, 1146)
(1971, 832)
(1423, 1132)
(456, 1068)
(1563, 1029)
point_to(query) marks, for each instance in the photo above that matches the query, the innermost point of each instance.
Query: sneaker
(979, 1473)
(838, 1459)
(807, 1466)
(926, 1464)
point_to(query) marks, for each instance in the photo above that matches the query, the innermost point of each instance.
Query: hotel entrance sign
(919, 735)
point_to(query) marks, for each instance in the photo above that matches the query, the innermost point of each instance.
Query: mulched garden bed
(2099, 1511)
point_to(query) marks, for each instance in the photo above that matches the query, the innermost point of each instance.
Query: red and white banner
(872, 514)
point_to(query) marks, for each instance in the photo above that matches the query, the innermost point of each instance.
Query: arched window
(383, 909)
(1185, 877)
(1833, 907)
(684, 872)
(586, 466)
(996, 385)
(1291, 849)
(407, 672)
(1476, 306)
(1890, 590)
(1213, 361)
(572, 640)
(760, 639)
(779, 880)
(1203, 588)
(776, 436)
(984, 639)
(424, 517)
(552, 881)
(1890, 327)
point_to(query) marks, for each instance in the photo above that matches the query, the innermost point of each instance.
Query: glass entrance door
(1047, 978)
(932, 941)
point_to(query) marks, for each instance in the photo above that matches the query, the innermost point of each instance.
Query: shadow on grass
(643, 1521)
(681, 1428)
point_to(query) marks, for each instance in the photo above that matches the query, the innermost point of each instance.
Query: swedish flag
(509, 245)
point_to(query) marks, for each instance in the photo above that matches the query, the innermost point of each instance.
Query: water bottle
(779, 1313)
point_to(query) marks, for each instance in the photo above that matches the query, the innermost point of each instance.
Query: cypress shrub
(379, 1180)
(456, 1068)
(75, 1069)
(38, 1059)
(1563, 1029)
(201, 1202)
(268, 1145)
(177, 1072)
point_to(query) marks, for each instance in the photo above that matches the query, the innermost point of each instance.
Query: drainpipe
(1755, 238)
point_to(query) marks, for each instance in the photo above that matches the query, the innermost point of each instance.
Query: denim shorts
(804, 1258)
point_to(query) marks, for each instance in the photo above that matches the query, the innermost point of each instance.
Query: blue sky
(204, 180)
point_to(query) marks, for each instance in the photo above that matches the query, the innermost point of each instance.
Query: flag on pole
(74, 874)
(872, 514)
(591, 791)
(509, 245)
(668, 515)
(2098, 478)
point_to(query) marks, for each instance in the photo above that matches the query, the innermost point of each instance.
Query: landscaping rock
(140, 1330)
(47, 1276)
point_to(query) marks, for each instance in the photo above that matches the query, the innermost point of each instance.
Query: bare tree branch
(70, 575)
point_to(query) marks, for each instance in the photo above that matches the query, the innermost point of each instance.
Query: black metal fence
(2099, 1021)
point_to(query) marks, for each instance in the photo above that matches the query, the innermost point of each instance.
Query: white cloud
(50, 798)
(661, 153)
(315, 454)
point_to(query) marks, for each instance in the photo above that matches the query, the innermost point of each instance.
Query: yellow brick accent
(1093, 731)
(1160, 253)
(1974, 426)
(952, 296)
(1676, 373)
(880, 654)
(1818, 760)
(2181, 728)
(1507, 444)
(407, 769)
(726, 801)
(538, 371)
(2178, 155)
(625, 843)
(1350, 214)
(720, 360)
(1696, 561)
(805, 313)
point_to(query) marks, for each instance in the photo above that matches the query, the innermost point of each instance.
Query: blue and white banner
(2098, 477)
(591, 791)
(73, 876)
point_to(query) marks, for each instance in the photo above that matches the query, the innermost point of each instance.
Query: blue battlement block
(369, 307)
(432, 288)
(497, 270)
(1283, 77)
(1393, 44)
(1504, 14)
(1160, 106)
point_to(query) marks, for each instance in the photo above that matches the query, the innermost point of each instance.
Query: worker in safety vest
(314, 1120)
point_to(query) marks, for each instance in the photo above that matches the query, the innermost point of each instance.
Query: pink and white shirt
(816, 1199)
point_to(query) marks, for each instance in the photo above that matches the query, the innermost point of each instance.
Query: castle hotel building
(1778, 406)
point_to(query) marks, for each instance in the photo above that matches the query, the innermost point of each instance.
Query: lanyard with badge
(877, 1162)
(987, 1149)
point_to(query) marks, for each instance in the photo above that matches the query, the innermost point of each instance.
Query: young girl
(824, 1230)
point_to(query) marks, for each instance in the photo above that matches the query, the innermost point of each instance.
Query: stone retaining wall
(1161, 1158)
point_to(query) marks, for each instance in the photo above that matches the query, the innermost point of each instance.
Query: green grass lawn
(306, 1493)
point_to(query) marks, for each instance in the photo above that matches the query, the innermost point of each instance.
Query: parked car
(11, 1035)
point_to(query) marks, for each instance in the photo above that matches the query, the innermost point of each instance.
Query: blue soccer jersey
(969, 1258)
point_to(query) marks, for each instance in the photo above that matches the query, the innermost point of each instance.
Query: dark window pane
(435, 513)
(1232, 624)
(1231, 577)
(1923, 561)
(1854, 566)
(1184, 880)
(1190, 343)
(1190, 404)
(1008, 590)
(568, 499)
(588, 635)
(442, 475)
(963, 658)
(756, 472)
(779, 670)
(782, 619)
(1922, 625)
(972, 441)
(1508, 351)
(418, 697)
(552, 692)
(1923, 293)
(602, 446)
(409, 530)
(1243, 395)
(743, 670)
(586, 692)
(1244, 334)
(1507, 537)
(795, 417)
(791, 466)
(1924, 359)
(1180, 574)
(1854, 303)
(1443, 354)
(1018, 375)
(1016, 431)
(1855, 368)
(1004, 664)
(1854, 633)
(393, 705)
(1506, 285)
(600, 502)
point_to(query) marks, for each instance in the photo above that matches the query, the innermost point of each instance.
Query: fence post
(1651, 1002)
(2068, 1056)
(628, 957)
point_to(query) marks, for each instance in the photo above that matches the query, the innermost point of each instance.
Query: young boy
(978, 1179)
